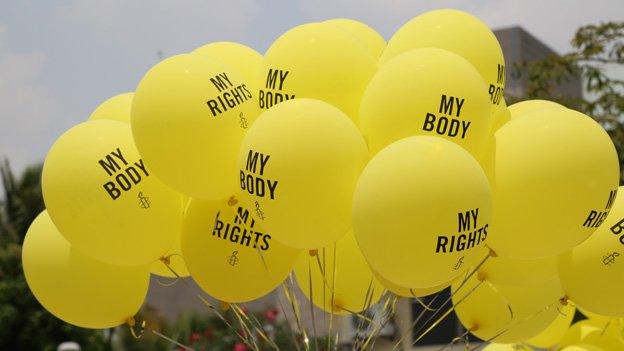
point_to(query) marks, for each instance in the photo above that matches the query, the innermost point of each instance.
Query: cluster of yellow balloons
(361, 166)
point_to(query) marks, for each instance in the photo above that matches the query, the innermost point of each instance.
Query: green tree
(596, 51)
(25, 324)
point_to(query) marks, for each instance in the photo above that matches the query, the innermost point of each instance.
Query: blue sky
(60, 59)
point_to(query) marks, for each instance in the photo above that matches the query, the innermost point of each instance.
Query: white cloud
(27, 108)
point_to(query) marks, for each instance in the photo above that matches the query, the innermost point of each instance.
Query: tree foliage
(26, 325)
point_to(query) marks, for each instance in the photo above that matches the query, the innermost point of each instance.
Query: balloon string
(491, 253)
(387, 312)
(457, 339)
(441, 318)
(131, 322)
(363, 318)
(184, 347)
(208, 304)
(288, 323)
(316, 347)
(294, 303)
(332, 302)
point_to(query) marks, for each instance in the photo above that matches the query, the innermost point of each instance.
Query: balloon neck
(313, 252)
(481, 276)
(564, 300)
(132, 324)
(166, 260)
(232, 201)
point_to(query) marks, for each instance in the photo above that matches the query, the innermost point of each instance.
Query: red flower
(208, 333)
(195, 336)
(239, 346)
(271, 315)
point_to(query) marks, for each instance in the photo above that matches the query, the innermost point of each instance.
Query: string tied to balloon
(131, 322)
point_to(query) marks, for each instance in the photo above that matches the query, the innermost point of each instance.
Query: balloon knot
(493, 253)
(225, 305)
(232, 201)
(564, 300)
(474, 328)
(166, 260)
(313, 252)
(481, 276)
(130, 321)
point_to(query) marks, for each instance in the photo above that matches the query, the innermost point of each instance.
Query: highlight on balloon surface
(76, 288)
(597, 258)
(189, 115)
(305, 62)
(553, 192)
(229, 253)
(451, 103)
(366, 35)
(103, 197)
(453, 218)
(337, 279)
(116, 108)
(298, 166)
(458, 32)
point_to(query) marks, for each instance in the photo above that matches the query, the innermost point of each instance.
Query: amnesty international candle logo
(240, 230)
(252, 178)
(230, 95)
(123, 174)
(469, 234)
(273, 94)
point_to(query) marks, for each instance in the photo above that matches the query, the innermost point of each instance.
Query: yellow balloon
(596, 317)
(426, 92)
(189, 114)
(318, 61)
(525, 107)
(555, 170)
(507, 347)
(507, 314)
(241, 58)
(592, 273)
(509, 271)
(410, 292)
(501, 115)
(229, 254)
(551, 336)
(299, 163)
(363, 33)
(338, 280)
(412, 187)
(460, 33)
(116, 108)
(104, 198)
(607, 336)
(76, 288)
(584, 347)
(175, 262)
